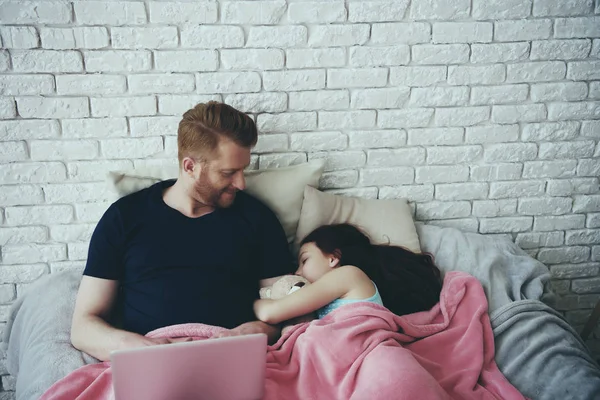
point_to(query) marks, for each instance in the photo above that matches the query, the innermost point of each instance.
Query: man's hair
(202, 127)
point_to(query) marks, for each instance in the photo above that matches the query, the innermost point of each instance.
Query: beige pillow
(281, 189)
(384, 221)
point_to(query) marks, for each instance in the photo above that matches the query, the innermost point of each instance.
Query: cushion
(281, 189)
(384, 221)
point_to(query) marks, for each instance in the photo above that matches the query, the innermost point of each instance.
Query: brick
(26, 84)
(131, 148)
(340, 160)
(33, 253)
(549, 169)
(561, 255)
(90, 212)
(376, 56)
(596, 253)
(212, 37)
(316, 12)
(396, 157)
(435, 136)
(560, 49)
(510, 114)
(443, 210)
(532, 240)
(7, 293)
(571, 150)
(583, 70)
(315, 58)
(4, 60)
(178, 104)
(462, 32)
(19, 37)
(557, 223)
(22, 273)
(356, 77)
(293, 80)
(379, 98)
(262, 59)
(501, 9)
(569, 91)
(586, 203)
(258, 102)
(376, 139)
(463, 116)
(153, 126)
(442, 174)
(27, 12)
(499, 52)
(464, 75)
(94, 128)
(494, 208)
(440, 54)
(319, 100)
(549, 8)
(90, 171)
(277, 36)
(386, 176)
(520, 30)
(492, 134)
(44, 150)
(287, 122)
(90, 84)
(8, 108)
(252, 12)
(550, 131)
(568, 187)
(417, 76)
(228, 82)
(318, 141)
(46, 107)
(46, 61)
(516, 189)
(183, 13)
(144, 38)
(376, 11)
(580, 27)
(281, 160)
(561, 287)
(30, 234)
(544, 205)
(463, 224)
(415, 193)
(498, 94)
(590, 129)
(123, 106)
(453, 155)
(440, 9)
(338, 180)
(505, 224)
(186, 60)
(346, 119)
(77, 251)
(583, 236)
(407, 118)
(13, 151)
(33, 173)
(461, 191)
(338, 35)
(110, 13)
(537, 71)
(74, 38)
(72, 233)
(566, 111)
(117, 61)
(77, 192)
(588, 167)
(439, 96)
(400, 32)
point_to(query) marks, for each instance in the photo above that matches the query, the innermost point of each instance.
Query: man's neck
(178, 198)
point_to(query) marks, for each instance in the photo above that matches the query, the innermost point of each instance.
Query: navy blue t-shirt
(173, 269)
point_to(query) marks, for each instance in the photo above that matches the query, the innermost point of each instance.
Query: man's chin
(226, 200)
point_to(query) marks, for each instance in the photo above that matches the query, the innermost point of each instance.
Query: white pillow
(281, 189)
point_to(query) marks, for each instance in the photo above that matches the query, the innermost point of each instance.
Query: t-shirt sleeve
(105, 252)
(275, 254)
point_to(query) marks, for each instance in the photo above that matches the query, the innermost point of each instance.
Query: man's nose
(240, 181)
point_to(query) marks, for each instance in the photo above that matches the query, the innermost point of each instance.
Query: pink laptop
(229, 368)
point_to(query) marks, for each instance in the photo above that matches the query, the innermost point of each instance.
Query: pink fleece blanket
(362, 351)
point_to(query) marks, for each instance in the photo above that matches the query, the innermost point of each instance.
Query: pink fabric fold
(362, 351)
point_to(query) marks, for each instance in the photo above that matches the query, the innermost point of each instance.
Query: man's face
(219, 178)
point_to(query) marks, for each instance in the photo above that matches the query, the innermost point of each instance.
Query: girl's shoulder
(351, 272)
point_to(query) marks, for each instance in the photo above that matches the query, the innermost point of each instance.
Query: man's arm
(90, 332)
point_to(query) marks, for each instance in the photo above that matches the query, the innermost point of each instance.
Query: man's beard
(207, 194)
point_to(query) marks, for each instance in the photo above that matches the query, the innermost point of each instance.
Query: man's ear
(189, 165)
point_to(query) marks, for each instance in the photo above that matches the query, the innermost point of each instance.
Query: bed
(538, 352)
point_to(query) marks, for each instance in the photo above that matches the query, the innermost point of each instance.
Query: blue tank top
(376, 298)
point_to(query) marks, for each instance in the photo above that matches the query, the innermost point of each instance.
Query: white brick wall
(484, 113)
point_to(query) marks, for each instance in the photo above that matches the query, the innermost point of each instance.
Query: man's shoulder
(137, 201)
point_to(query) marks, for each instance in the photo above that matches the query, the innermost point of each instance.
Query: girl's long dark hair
(408, 282)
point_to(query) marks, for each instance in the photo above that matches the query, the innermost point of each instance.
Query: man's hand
(252, 327)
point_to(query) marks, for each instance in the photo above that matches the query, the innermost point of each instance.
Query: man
(195, 249)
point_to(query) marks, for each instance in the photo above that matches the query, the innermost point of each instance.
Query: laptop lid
(229, 368)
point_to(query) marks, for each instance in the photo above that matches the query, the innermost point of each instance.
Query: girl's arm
(329, 287)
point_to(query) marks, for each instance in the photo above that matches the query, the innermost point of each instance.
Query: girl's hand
(262, 309)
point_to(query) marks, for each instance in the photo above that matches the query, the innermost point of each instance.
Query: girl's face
(313, 263)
